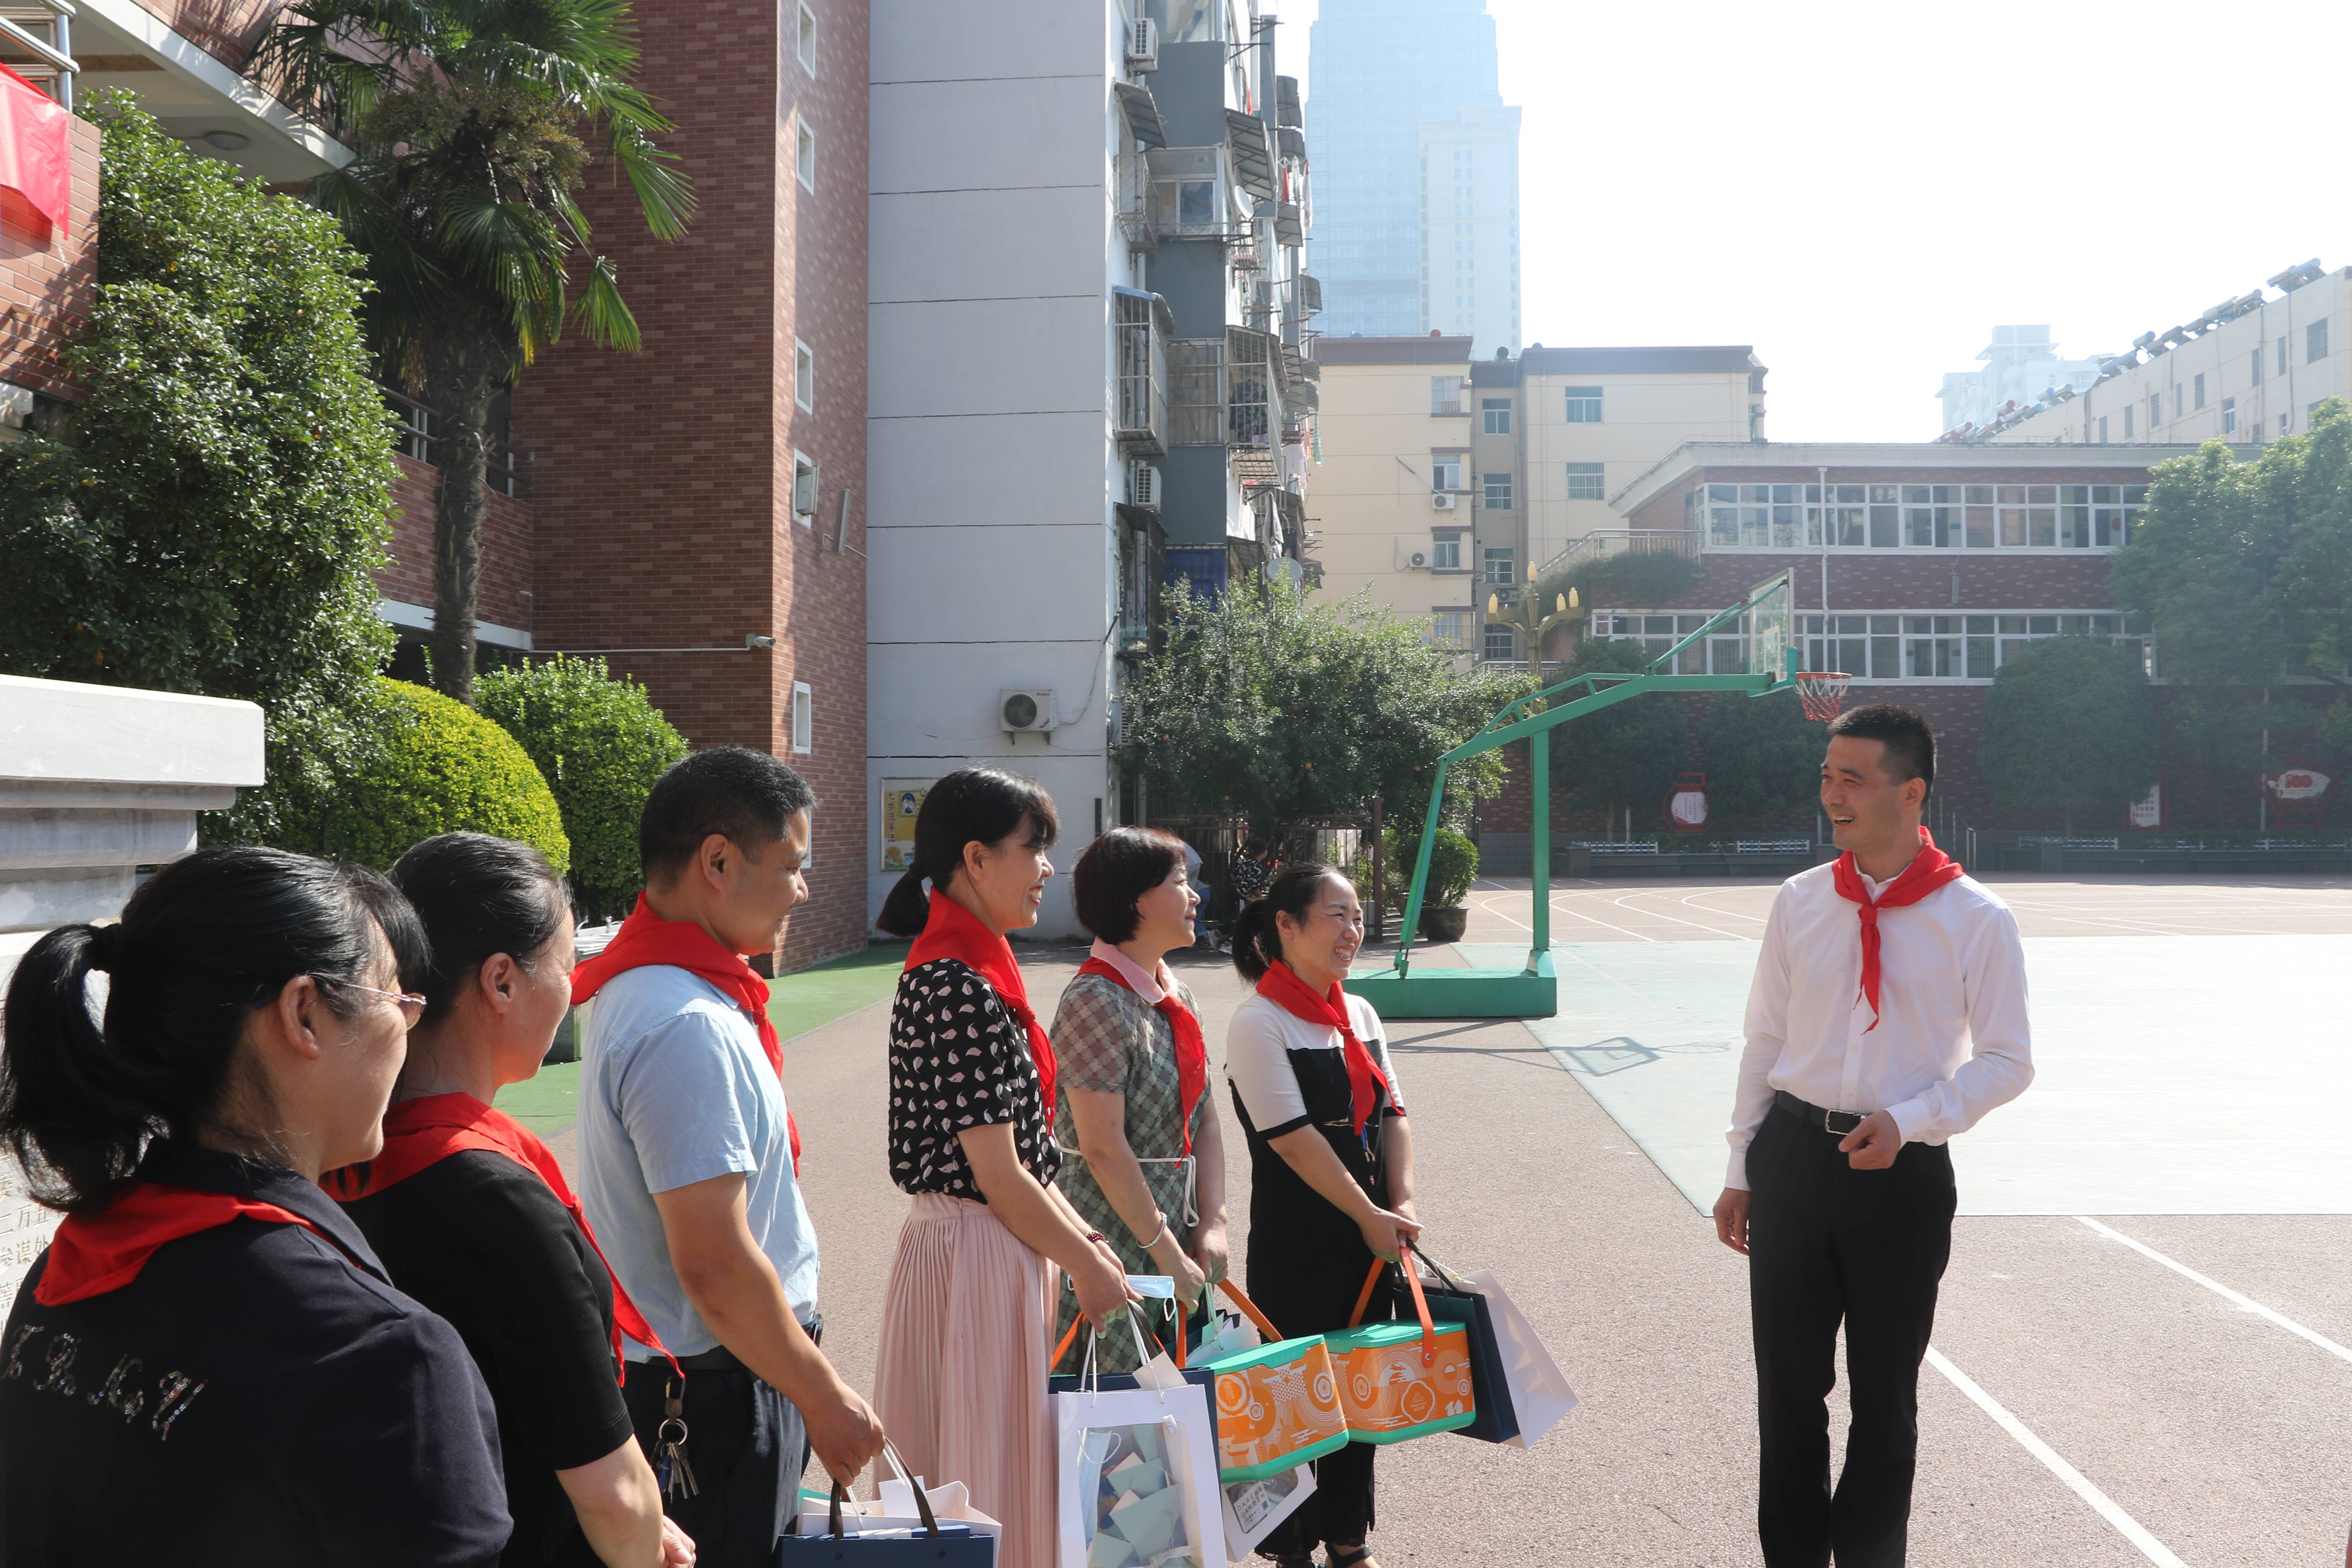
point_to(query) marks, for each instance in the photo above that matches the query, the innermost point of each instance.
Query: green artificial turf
(808, 999)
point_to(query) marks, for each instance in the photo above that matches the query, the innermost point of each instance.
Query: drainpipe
(1823, 470)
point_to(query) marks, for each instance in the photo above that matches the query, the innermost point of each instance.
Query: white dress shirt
(1952, 1040)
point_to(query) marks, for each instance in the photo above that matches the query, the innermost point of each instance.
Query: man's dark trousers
(1826, 1243)
(748, 1446)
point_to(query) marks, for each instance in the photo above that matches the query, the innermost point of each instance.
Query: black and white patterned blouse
(958, 1060)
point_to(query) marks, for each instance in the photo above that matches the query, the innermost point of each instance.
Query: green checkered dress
(1107, 1038)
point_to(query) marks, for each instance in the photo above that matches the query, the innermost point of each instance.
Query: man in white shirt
(1887, 1015)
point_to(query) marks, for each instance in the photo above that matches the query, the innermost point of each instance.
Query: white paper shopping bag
(1540, 1396)
(1137, 1477)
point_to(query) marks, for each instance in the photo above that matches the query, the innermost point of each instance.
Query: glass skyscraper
(1416, 172)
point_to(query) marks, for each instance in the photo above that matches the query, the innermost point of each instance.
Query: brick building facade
(48, 275)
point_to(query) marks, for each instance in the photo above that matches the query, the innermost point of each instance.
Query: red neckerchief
(1191, 1048)
(95, 1253)
(1930, 869)
(1280, 984)
(420, 1133)
(645, 939)
(954, 932)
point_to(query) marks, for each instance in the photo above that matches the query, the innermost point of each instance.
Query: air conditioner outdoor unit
(1418, 560)
(1441, 501)
(1026, 711)
(1143, 485)
(1143, 46)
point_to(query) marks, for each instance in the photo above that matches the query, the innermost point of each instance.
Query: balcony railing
(1143, 329)
(36, 43)
(1603, 543)
(418, 431)
(1226, 392)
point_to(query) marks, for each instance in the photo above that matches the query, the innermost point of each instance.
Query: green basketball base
(1530, 993)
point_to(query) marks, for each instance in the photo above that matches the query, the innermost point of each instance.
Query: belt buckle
(1828, 1116)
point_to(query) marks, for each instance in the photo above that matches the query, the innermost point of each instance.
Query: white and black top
(959, 1059)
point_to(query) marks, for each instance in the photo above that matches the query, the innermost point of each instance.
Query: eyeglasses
(412, 1005)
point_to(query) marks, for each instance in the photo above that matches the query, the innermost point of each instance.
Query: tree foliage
(213, 524)
(600, 743)
(1285, 710)
(1453, 863)
(1621, 755)
(426, 765)
(471, 119)
(2070, 729)
(1762, 756)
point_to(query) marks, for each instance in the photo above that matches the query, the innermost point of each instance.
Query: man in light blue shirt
(686, 1154)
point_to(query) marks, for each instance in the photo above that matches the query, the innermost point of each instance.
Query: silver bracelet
(1157, 1233)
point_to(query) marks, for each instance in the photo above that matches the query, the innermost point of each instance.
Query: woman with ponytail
(960, 1380)
(1330, 1158)
(209, 1365)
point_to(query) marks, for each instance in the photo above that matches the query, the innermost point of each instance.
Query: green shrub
(1452, 865)
(600, 743)
(426, 765)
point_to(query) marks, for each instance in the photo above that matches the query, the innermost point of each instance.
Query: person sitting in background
(209, 1366)
(474, 1217)
(1143, 1156)
(688, 1157)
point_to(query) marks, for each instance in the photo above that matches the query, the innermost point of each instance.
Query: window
(1586, 481)
(2229, 414)
(2102, 429)
(1502, 645)
(1446, 553)
(1497, 415)
(2199, 400)
(2314, 342)
(805, 155)
(2258, 365)
(804, 376)
(803, 714)
(805, 489)
(1499, 563)
(2257, 436)
(1446, 395)
(807, 45)
(2285, 418)
(1196, 203)
(1446, 627)
(2281, 357)
(2179, 400)
(1446, 470)
(2154, 411)
(2128, 421)
(1498, 491)
(1584, 405)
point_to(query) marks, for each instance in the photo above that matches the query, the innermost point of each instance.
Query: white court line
(2131, 1530)
(1626, 904)
(2245, 1302)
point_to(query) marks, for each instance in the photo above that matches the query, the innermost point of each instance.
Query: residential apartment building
(2020, 363)
(1088, 335)
(1417, 222)
(2249, 370)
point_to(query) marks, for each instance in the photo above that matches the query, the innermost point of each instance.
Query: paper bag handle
(1067, 1340)
(1264, 1324)
(1420, 1306)
(922, 1502)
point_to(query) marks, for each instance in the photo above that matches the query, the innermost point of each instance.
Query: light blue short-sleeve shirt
(675, 1089)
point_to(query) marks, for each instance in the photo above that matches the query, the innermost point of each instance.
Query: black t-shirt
(256, 1394)
(959, 1059)
(482, 1241)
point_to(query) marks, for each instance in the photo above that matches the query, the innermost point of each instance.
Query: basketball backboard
(1771, 649)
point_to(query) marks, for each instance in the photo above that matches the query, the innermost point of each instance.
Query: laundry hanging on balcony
(33, 149)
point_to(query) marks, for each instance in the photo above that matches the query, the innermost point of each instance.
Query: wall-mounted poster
(901, 800)
(2147, 813)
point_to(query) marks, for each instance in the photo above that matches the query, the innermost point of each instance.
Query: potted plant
(1453, 867)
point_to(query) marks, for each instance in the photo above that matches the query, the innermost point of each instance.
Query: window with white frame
(2314, 342)
(1445, 552)
(804, 154)
(2128, 421)
(2197, 397)
(803, 718)
(1497, 490)
(1446, 395)
(2102, 429)
(2257, 364)
(1583, 405)
(1446, 470)
(2229, 416)
(807, 45)
(804, 376)
(1499, 564)
(1902, 647)
(1446, 626)
(2154, 411)
(1915, 517)
(1587, 482)
(1501, 645)
(1495, 415)
(805, 489)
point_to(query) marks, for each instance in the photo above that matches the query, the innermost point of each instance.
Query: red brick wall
(664, 480)
(507, 545)
(49, 277)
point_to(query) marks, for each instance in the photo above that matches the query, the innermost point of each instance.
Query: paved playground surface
(2142, 1347)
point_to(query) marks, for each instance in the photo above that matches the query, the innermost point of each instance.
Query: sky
(1861, 191)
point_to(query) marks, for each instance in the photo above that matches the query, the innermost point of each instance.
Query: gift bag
(1401, 1380)
(896, 1509)
(1136, 1479)
(865, 1543)
(1254, 1507)
(1451, 1301)
(1539, 1395)
(1278, 1404)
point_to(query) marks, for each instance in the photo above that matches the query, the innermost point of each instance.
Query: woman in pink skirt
(959, 1383)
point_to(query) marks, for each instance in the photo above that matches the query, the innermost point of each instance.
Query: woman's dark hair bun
(105, 949)
(1258, 937)
(968, 805)
(479, 897)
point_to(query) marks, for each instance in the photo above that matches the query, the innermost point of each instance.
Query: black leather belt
(1835, 1122)
(719, 1358)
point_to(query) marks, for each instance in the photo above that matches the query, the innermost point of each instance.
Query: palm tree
(471, 119)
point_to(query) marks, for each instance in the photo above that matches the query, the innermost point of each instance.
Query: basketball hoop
(1821, 692)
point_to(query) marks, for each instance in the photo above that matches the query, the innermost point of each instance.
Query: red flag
(33, 148)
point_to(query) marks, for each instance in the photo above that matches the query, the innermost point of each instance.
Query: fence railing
(1603, 543)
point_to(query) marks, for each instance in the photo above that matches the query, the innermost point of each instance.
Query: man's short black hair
(1910, 744)
(744, 794)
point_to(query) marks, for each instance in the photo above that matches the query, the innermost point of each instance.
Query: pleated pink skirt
(960, 1380)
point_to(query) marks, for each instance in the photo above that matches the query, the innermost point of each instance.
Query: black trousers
(1828, 1243)
(748, 1446)
(1317, 1300)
